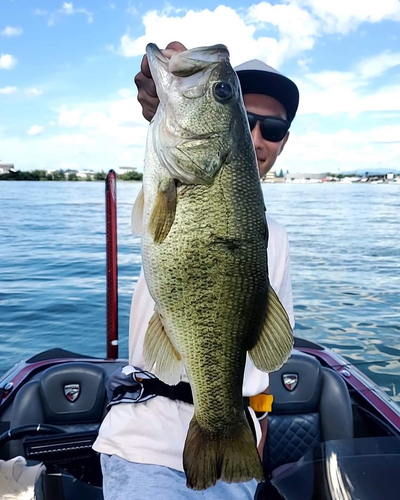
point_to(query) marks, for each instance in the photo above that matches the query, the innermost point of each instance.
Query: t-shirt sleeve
(142, 309)
(279, 266)
(285, 289)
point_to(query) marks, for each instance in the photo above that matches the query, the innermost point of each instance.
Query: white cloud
(70, 118)
(387, 134)
(224, 25)
(270, 32)
(343, 150)
(7, 61)
(40, 12)
(104, 134)
(131, 9)
(304, 63)
(126, 156)
(8, 90)
(64, 165)
(112, 6)
(67, 9)
(96, 120)
(126, 92)
(376, 65)
(73, 140)
(12, 31)
(332, 99)
(111, 114)
(330, 92)
(297, 28)
(343, 16)
(35, 130)
(33, 92)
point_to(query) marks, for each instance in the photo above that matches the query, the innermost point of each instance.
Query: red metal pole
(112, 265)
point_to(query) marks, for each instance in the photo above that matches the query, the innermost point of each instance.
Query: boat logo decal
(290, 381)
(72, 391)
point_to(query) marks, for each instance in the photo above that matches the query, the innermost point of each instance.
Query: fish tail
(232, 459)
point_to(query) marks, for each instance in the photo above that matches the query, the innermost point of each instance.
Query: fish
(202, 219)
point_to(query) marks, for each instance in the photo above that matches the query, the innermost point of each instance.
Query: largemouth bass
(204, 246)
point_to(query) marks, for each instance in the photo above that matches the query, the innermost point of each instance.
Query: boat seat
(71, 396)
(315, 410)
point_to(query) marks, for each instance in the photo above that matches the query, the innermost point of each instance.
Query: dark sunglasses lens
(252, 120)
(273, 130)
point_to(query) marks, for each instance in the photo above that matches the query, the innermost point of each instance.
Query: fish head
(200, 104)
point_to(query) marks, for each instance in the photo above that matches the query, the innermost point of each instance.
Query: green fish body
(204, 247)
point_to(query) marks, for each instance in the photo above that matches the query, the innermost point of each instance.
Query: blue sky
(67, 98)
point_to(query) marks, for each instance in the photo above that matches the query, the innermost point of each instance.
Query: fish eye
(223, 91)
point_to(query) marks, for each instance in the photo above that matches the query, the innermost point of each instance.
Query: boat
(332, 433)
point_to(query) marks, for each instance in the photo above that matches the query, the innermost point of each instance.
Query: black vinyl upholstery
(318, 409)
(44, 401)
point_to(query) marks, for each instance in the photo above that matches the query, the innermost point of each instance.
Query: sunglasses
(272, 129)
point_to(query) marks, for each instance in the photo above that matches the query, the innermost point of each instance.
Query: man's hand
(147, 94)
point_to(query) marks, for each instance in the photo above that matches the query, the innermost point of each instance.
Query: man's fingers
(171, 49)
(149, 104)
(144, 68)
(176, 46)
(146, 84)
(147, 94)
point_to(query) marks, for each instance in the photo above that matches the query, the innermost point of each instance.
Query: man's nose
(257, 136)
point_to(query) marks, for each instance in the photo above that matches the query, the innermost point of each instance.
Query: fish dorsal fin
(275, 341)
(137, 214)
(159, 353)
(163, 213)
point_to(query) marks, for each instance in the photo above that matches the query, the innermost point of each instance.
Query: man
(142, 444)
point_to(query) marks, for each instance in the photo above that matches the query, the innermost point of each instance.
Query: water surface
(345, 242)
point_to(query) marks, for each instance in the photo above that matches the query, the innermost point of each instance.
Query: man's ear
(285, 139)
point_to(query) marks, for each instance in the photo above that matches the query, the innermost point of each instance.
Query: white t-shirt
(154, 431)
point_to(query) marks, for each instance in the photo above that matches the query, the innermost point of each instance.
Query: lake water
(345, 247)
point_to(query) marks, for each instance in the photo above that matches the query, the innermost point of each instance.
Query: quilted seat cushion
(290, 437)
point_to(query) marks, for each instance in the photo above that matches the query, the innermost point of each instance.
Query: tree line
(61, 175)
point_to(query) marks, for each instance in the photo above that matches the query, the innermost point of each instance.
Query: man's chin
(263, 168)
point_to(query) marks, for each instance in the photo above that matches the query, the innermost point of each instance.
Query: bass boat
(332, 433)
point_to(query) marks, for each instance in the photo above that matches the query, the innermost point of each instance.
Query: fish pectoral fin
(275, 342)
(137, 214)
(159, 353)
(163, 214)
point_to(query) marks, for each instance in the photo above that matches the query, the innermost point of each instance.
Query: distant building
(69, 171)
(304, 178)
(5, 168)
(272, 178)
(85, 174)
(124, 169)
